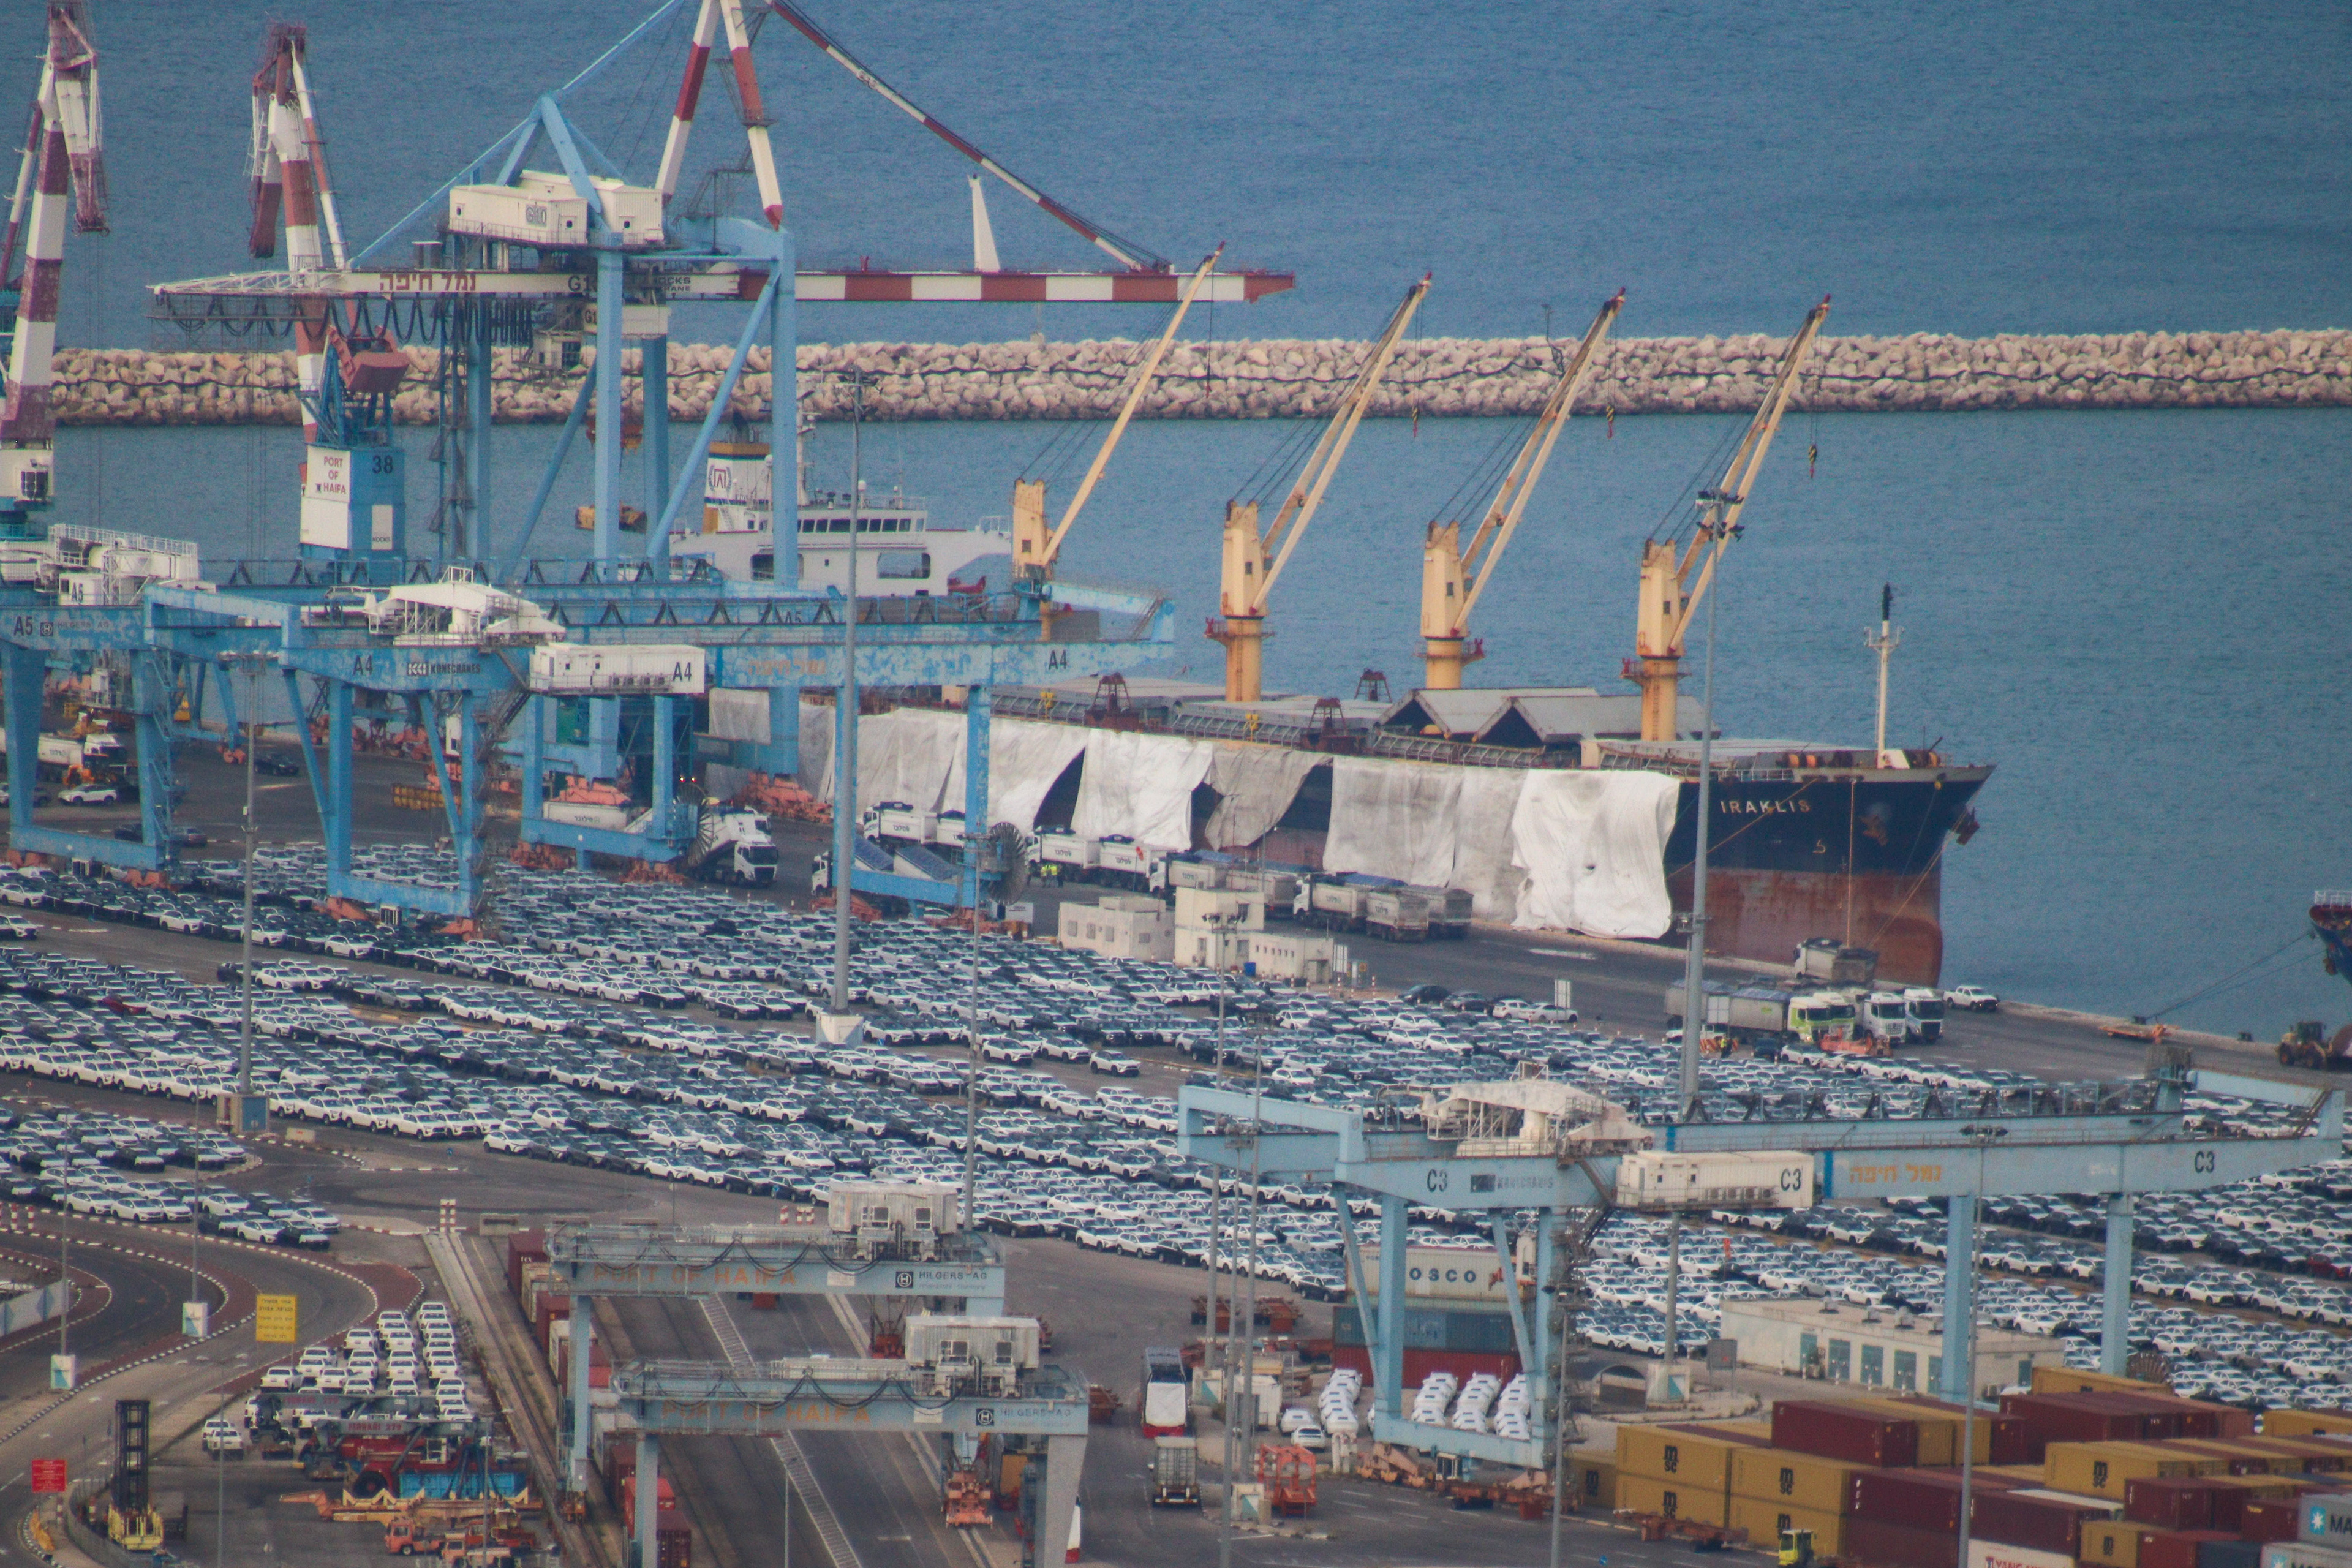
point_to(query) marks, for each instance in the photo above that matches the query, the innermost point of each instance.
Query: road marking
(1564, 952)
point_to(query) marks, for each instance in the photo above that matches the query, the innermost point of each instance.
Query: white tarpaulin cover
(1024, 758)
(1482, 841)
(1590, 845)
(1393, 819)
(816, 749)
(1141, 785)
(739, 714)
(904, 754)
(1257, 784)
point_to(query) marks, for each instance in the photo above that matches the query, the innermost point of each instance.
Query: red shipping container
(1868, 1543)
(2008, 1442)
(2270, 1519)
(2176, 1548)
(1917, 1500)
(2085, 1418)
(523, 1246)
(2044, 1524)
(1842, 1432)
(1419, 1364)
(2175, 1503)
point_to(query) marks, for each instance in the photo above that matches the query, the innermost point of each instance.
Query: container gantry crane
(63, 167)
(1448, 593)
(1247, 576)
(1676, 574)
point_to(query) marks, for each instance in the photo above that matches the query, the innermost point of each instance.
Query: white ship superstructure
(899, 550)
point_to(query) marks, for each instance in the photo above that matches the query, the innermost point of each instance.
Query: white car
(222, 1437)
(1975, 998)
(90, 794)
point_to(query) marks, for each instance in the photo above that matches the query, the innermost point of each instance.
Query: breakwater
(1275, 379)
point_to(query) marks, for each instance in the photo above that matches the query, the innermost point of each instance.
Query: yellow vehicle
(1796, 1549)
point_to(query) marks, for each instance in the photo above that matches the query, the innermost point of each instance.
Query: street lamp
(236, 1110)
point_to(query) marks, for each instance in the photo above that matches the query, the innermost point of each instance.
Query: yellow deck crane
(1036, 547)
(1675, 577)
(1248, 578)
(1448, 593)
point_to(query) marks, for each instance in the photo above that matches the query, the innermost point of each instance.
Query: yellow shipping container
(1644, 1494)
(1792, 1480)
(2303, 1422)
(2067, 1380)
(2113, 1541)
(1764, 1521)
(1939, 1435)
(2100, 1470)
(1593, 1483)
(1692, 1457)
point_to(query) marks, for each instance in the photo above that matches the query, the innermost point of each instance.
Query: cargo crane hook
(1447, 595)
(1675, 577)
(1248, 578)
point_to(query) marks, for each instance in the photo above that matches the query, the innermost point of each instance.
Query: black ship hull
(1852, 854)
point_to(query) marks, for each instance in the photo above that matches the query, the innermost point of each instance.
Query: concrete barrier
(1268, 379)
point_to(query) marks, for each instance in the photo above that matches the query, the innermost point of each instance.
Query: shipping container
(2101, 1470)
(1872, 1544)
(1918, 1500)
(2086, 1418)
(2021, 1518)
(1420, 1363)
(1764, 1519)
(2228, 1553)
(2114, 1542)
(2328, 1517)
(2306, 1554)
(1593, 1483)
(2074, 1380)
(1939, 1435)
(1690, 1457)
(1841, 1432)
(2000, 1554)
(1675, 1500)
(523, 1246)
(2304, 1423)
(2271, 1519)
(2173, 1547)
(1999, 1439)
(1461, 1325)
(1804, 1481)
(2182, 1502)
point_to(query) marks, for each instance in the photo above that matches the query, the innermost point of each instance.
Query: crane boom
(1247, 577)
(1447, 600)
(1675, 581)
(1033, 551)
(1298, 508)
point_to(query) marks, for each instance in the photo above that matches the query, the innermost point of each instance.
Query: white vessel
(899, 551)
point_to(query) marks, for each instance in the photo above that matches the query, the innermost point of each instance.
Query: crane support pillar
(478, 417)
(652, 384)
(607, 408)
(339, 783)
(1959, 1294)
(1659, 666)
(584, 1334)
(1241, 579)
(2114, 1317)
(1245, 640)
(151, 696)
(649, 1499)
(1445, 650)
(22, 677)
(784, 425)
(975, 790)
(1388, 1353)
(664, 765)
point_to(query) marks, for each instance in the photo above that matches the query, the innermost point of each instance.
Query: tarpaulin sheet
(904, 754)
(1141, 785)
(1590, 846)
(1482, 841)
(1257, 784)
(1393, 819)
(739, 714)
(1024, 759)
(816, 749)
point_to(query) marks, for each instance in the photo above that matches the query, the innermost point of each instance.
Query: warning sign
(49, 1475)
(273, 1319)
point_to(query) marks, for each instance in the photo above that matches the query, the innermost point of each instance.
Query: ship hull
(1853, 856)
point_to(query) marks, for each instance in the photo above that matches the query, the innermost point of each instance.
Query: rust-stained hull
(1765, 914)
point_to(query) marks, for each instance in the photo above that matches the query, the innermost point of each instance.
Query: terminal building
(1875, 1347)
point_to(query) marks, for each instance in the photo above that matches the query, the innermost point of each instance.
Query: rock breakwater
(1276, 379)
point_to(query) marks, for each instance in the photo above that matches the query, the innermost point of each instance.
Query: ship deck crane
(1676, 575)
(1034, 549)
(1448, 593)
(1248, 578)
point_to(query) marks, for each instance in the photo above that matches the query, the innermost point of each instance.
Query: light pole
(251, 663)
(845, 743)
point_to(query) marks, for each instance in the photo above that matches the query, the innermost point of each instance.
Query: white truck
(895, 821)
(732, 845)
(1886, 1015)
(1925, 1006)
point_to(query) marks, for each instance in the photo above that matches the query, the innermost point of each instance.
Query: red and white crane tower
(63, 166)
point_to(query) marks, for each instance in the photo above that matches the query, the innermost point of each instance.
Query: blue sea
(2136, 616)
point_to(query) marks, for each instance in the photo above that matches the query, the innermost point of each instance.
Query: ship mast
(1883, 642)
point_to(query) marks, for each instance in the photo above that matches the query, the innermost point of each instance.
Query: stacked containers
(1683, 1471)
(1773, 1489)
